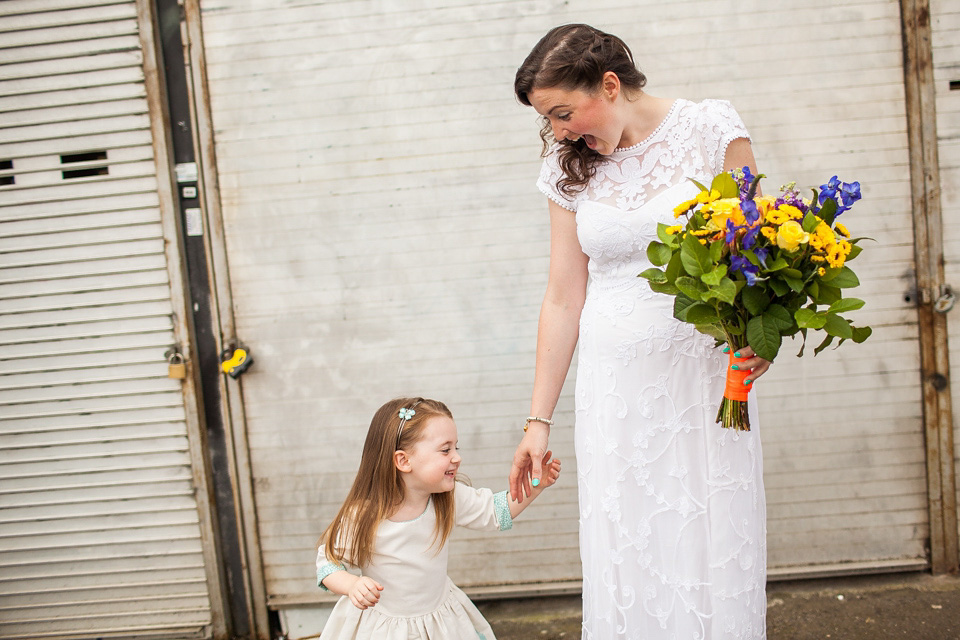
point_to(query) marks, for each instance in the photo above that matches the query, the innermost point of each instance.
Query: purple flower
(750, 211)
(762, 254)
(739, 264)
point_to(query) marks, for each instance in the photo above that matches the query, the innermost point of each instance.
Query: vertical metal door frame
(928, 257)
(170, 218)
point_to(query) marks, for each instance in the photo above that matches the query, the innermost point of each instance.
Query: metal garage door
(100, 534)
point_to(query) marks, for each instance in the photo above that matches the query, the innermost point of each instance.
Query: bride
(672, 510)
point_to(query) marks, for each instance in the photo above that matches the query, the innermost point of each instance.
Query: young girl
(394, 526)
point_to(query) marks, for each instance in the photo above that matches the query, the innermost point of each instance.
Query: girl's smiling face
(434, 459)
(578, 114)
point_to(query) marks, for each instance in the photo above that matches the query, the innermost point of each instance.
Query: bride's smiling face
(577, 114)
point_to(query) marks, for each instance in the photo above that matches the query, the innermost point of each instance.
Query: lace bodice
(638, 186)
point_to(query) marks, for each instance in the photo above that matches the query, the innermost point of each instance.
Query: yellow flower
(845, 247)
(702, 232)
(816, 241)
(704, 197)
(791, 235)
(724, 206)
(769, 233)
(702, 240)
(683, 207)
(777, 217)
(825, 233)
(842, 230)
(821, 271)
(835, 257)
(816, 258)
(765, 203)
(674, 229)
(791, 211)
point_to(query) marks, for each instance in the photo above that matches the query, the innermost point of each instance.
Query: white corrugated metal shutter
(386, 237)
(99, 533)
(945, 25)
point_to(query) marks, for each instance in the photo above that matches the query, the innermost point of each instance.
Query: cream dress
(418, 601)
(672, 511)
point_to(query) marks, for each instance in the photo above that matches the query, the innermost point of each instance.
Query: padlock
(177, 367)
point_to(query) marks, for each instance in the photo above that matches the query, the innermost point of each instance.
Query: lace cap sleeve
(720, 124)
(550, 174)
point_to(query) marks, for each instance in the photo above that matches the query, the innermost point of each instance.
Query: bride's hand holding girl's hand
(528, 461)
(757, 365)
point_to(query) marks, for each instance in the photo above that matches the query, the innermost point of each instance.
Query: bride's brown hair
(575, 57)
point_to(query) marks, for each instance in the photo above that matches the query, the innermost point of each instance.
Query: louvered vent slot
(84, 160)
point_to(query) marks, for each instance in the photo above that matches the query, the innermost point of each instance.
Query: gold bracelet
(530, 419)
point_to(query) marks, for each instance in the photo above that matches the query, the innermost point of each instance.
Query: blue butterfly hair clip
(404, 415)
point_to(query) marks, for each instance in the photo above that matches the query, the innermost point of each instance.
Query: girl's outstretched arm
(363, 592)
(551, 471)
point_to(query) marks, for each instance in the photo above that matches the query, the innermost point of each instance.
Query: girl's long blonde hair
(377, 490)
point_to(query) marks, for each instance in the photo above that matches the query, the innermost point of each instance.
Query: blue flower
(762, 254)
(406, 414)
(731, 234)
(750, 211)
(739, 264)
(750, 237)
(849, 193)
(829, 190)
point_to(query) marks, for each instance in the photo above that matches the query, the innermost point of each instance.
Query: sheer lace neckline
(649, 138)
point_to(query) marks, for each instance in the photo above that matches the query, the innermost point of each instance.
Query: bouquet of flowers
(749, 270)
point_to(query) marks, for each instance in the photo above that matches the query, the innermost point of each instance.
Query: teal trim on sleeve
(501, 506)
(325, 570)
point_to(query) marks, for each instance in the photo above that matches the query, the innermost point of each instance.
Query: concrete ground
(914, 606)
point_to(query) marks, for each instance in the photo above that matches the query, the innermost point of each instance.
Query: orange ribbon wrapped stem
(735, 389)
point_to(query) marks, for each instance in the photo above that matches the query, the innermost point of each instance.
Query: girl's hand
(757, 365)
(551, 471)
(365, 592)
(528, 460)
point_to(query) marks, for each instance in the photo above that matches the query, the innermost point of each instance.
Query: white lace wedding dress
(672, 511)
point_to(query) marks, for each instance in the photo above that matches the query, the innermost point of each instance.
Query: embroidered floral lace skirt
(672, 511)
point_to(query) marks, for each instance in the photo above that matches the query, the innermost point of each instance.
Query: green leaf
(837, 326)
(779, 287)
(695, 256)
(828, 294)
(674, 267)
(712, 330)
(755, 300)
(776, 265)
(764, 337)
(779, 317)
(726, 185)
(854, 252)
(691, 287)
(810, 319)
(714, 277)
(794, 283)
(846, 304)
(702, 188)
(810, 222)
(700, 313)
(666, 238)
(680, 305)
(828, 211)
(793, 273)
(653, 275)
(845, 278)
(726, 291)
(823, 345)
(659, 254)
(664, 287)
(861, 333)
(716, 251)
